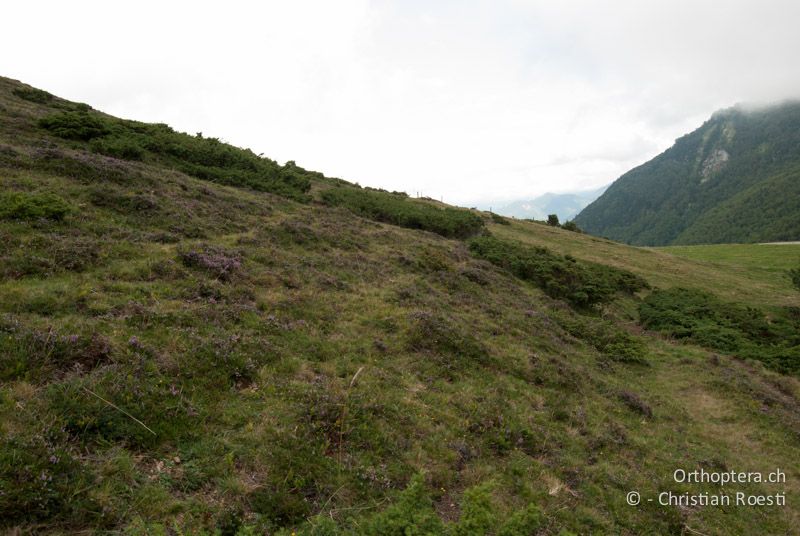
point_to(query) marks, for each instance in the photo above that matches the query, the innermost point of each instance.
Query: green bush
(124, 148)
(33, 95)
(75, 125)
(399, 210)
(611, 341)
(497, 218)
(728, 327)
(583, 284)
(204, 158)
(31, 206)
(412, 514)
(794, 275)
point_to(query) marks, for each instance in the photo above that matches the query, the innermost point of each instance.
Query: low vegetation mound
(581, 283)
(742, 331)
(398, 209)
(204, 158)
(31, 206)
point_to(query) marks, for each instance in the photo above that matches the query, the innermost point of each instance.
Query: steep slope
(243, 351)
(735, 179)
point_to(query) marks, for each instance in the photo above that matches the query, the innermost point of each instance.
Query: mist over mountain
(734, 179)
(565, 205)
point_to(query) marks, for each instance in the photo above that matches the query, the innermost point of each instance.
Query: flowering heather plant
(217, 261)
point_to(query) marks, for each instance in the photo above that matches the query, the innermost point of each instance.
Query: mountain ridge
(734, 179)
(566, 205)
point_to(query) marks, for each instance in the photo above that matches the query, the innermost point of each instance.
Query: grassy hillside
(734, 179)
(755, 262)
(259, 349)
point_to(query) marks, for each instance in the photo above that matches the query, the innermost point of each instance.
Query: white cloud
(468, 100)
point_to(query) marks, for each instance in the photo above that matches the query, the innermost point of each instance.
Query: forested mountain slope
(734, 179)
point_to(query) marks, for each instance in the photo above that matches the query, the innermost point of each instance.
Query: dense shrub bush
(31, 206)
(75, 125)
(608, 339)
(38, 96)
(581, 283)
(118, 147)
(728, 327)
(794, 275)
(497, 218)
(204, 158)
(399, 210)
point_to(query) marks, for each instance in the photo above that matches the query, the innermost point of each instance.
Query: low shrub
(400, 210)
(448, 346)
(47, 254)
(33, 355)
(32, 206)
(217, 261)
(118, 147)
(582, 284)
(133, 204)
(38, 96)
(635, 403)
(728, 327)
(497, 218)
(204, 158)
(82, 166)
(414, 513)
(79, 126)
(608, 339)
(794, 276)
(41, 482)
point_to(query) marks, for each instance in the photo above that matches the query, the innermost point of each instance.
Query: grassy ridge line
(396, 208)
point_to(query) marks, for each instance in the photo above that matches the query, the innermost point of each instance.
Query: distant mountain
(734, 179)
(565, 205)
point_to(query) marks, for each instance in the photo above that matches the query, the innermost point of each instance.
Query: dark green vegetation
(794, 275)
(25, 206)
(398, 209)
(735, 179)
(728, 327)
(582, 284)
(181, 356)
(204, 158)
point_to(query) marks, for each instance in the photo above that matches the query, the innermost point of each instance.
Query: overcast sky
(476, 102)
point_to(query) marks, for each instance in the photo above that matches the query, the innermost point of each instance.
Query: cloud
(469, 101)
